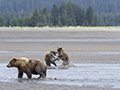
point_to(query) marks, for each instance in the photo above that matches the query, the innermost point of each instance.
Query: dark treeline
(100, 6)
(68, 14)
(109, 19)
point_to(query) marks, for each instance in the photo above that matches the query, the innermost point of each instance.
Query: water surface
(100, 75)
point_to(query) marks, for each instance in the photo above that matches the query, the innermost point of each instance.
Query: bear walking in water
(28, 66)
(50, 58)
(63, 55)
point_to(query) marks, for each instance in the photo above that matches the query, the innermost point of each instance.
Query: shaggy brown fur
(28, 66)
(50, 58)
(63, 55)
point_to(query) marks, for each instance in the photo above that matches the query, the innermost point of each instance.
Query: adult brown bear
(50, 58)
(28, 66)
(63, 55)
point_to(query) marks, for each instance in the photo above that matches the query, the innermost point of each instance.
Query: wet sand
(69, 46)
(20, 86)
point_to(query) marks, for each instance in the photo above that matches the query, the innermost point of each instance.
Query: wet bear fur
(63, 55)
(50, 58)
(28, 66)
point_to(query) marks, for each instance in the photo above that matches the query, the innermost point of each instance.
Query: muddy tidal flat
(94, 58)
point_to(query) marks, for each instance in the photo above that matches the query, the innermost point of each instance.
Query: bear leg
(20, 73)
(54, 63)
(42, 74)
(48, 64)
(65, 61)
(29, 75)
(41, 71)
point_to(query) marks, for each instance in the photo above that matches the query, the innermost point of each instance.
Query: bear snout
(8, 65)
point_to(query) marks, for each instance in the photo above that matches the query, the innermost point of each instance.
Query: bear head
(16, 62)
(59, 49)
(12, 63)
(53, 52)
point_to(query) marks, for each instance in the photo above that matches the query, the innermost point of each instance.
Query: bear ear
(14, 59)
(60, 48)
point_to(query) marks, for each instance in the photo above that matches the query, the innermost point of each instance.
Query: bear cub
(50, 58)
(63, 55)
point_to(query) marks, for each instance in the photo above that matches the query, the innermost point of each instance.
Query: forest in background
(59, 13)
(100, 6)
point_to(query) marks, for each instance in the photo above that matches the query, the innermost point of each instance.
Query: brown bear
(28, 66)
(63, 55)
(50, 58)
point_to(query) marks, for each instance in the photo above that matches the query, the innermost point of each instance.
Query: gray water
(100, 75)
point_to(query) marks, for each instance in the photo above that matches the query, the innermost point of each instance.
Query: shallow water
(100, 75)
